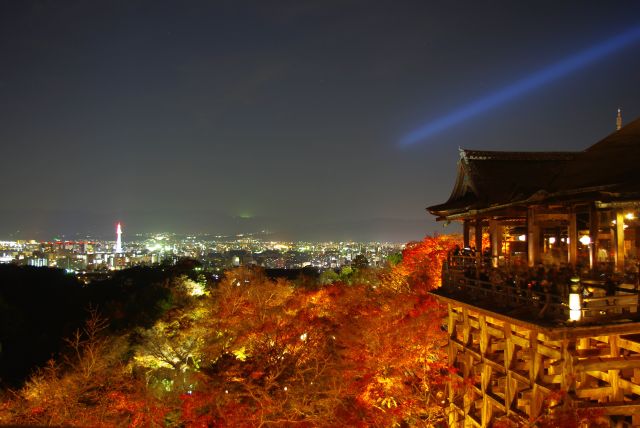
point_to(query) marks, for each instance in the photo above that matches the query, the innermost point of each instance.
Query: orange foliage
(260, 352)
(421, 264)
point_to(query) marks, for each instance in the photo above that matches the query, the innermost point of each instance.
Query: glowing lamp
(522, 238)
(629, 216)
(585, 240)
(552, 240)
(575, 307)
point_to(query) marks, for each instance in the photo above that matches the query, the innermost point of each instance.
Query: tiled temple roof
(610, 169)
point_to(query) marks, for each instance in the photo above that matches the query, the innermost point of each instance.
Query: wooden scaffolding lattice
(518, 370)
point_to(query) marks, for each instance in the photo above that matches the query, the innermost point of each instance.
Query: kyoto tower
(118, 248)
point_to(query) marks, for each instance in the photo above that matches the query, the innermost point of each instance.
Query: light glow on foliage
(195, 289)
(151, 362)
(241, 353)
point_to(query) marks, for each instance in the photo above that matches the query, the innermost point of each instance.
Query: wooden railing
(544, 304)
(505, 295)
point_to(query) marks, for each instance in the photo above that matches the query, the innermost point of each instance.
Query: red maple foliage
(258, 352)
(421, 265)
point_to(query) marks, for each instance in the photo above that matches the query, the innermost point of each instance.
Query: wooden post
(535, 363)
(465, 234)
(496, 241)
(635, 419)
(568, 383)
(619, 241)
(453, 413)
(478, 233)
(510, 384)
(581, 377)
(486, 371)
(573, 238)
(466, 327)
(594, 230)
(533, 238)
(614, 375)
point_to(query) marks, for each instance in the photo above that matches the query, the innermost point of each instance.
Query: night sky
(238, 116)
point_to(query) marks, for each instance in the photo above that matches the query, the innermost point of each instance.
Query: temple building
(543, 298)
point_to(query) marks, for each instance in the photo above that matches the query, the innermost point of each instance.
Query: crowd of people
(555, 279)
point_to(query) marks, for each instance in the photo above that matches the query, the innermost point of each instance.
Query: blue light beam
(522, 86)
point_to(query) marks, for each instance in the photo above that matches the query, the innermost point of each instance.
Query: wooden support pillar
(453, 413)
(485, 376)
(466, 327)
(478, 233)
(568, 383)
(573, 238)
(619, 241)
(484, 334)
(495, 230)
(594, 228)
(533, 238)
(582, 380)
(510, 384)
(487, 408)
(467, 358)
(617, 394)
(635, 419)
(535, 364)
(465, 234)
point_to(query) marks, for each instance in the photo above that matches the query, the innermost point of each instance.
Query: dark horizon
(55, 224)
(216, 117)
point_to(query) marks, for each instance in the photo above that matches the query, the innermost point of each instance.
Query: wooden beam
(629, 386)
(496, 401)
(610, 363)
(520, 341)
(551, 217)
(495, 332)
(626, 408)
(519, 377)
(597, 393)
(550, 352)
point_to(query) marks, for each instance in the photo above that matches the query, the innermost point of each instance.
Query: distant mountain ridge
(73, 224)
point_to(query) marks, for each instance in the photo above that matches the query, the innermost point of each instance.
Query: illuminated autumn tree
(420, 268)
(269, 360)
(89, 387)
(258, 352)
